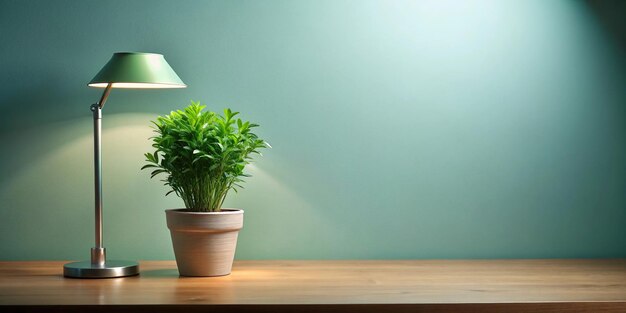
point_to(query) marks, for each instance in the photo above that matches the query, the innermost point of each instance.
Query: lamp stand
(99, 267)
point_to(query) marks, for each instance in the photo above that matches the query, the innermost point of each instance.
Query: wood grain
(330, 286)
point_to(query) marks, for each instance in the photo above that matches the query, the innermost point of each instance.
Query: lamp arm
(105, 95)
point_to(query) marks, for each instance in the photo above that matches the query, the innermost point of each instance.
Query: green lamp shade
(137, 70)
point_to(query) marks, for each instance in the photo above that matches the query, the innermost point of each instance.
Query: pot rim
(224, 211)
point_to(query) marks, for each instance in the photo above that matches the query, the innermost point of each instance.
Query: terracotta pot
(204, 242)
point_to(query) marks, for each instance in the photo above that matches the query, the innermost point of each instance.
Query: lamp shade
(137, 70)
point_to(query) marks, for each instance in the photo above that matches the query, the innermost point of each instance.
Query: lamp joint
(97, 111)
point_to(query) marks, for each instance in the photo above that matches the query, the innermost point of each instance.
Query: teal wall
(401, 129)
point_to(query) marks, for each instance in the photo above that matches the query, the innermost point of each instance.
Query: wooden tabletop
(330, 286)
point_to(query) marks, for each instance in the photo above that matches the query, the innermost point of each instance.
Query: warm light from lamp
(136, 85)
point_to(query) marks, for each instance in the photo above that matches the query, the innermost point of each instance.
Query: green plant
(203, 154)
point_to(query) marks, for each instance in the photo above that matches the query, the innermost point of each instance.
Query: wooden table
(328, 286)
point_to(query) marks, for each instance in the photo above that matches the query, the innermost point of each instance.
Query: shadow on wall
(291, 213)
(42, 100)
(612, 15)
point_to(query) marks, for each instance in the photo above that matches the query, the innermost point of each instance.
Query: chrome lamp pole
(124, 70)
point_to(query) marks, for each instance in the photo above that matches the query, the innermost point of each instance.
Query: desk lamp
(134, 70)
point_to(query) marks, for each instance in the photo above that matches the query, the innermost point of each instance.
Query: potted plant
(203, 156)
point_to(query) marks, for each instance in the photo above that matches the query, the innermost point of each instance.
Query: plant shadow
(160, 273)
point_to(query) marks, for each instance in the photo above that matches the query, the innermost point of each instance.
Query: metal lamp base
(110, 269)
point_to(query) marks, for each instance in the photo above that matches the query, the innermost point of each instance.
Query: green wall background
(401, 129)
